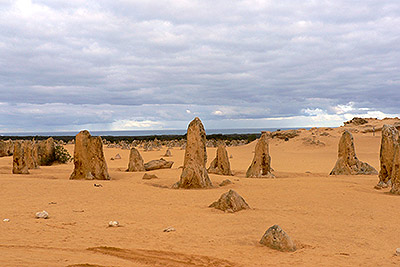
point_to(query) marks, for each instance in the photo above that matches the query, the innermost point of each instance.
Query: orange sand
(335, 221)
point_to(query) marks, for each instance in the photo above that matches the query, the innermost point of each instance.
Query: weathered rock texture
(19, 162)
(389, 142)
(6, 148)
(230, 202)
(31, 154)
(395, 177)
(136, 163)
(158, 164)
(276, 238)
(348, 163)
(46, 152)
(220, 165)
(194, 173)
(89, 158)
(261, 164)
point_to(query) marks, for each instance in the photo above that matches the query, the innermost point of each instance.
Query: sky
(68, 65)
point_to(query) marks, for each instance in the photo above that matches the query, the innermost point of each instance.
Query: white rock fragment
(113, 224)
(42, 215)
(6, 220)
(397, 251)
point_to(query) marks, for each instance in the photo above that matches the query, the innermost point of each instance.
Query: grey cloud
(257, 59)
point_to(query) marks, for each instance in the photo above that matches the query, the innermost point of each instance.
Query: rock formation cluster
(356, 121)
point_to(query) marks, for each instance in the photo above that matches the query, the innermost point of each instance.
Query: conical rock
(168, 153)
(194, 173)
(261, 164)
(230, 202)
(348, 163)
(136, 163)
(278, 239)
(220, 165)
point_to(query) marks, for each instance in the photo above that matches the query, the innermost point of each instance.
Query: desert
(333, 220)
(199, 133)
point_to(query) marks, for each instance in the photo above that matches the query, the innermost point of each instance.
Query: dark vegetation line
(229, 137)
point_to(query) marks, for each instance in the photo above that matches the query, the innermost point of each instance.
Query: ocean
(146, 132)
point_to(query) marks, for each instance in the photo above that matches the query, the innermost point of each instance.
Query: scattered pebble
(147, 176)
(113, 224)
(169, 229)
(397, 251)
(52, 203)
(225, 182)
(42, 215)
(6, 220)
(98, 185)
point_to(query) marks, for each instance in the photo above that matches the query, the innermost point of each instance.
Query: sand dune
(334, 220)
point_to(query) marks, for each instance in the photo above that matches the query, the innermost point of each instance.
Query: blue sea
(146, 132)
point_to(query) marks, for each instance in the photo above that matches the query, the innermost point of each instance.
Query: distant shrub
(62, 155)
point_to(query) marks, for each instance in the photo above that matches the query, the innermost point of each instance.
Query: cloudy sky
(154, 64)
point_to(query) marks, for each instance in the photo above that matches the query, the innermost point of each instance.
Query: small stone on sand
(42, 215)
(147, 176)
(113, 224)
(225, 182)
